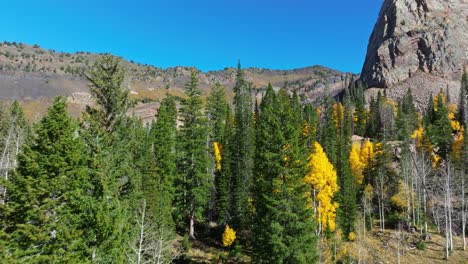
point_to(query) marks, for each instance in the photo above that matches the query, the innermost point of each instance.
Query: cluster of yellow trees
(322, 177)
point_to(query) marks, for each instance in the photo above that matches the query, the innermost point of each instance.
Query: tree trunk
(463, 211)
(192, 226)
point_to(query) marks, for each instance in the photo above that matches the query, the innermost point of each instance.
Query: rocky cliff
(418, 44)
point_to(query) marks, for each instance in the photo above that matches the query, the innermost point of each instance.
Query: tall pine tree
(194, 181)
(283, 225)
(242, 154)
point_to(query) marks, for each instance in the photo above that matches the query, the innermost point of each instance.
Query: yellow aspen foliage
(418, 135)
(455, 125)
(351, 236)
(217, 154)
(436, 160)
(452, 110)
(435, 100)
(322, 177)
(229, 236)
(392, 104)
(400, 199)
(357, 165)
(338, 113)
(369, 192)
(367, 152)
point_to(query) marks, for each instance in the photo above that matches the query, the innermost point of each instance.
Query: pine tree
(216, 111)
(309, 128)
(360, 115)
(463, 105)
(283, 226)
(438, 126)
(328, 131)
(224, 179)
(194, 179)
(112, 141)
(347, 194)
(106, 78)
(46, 218)
(159, 185)
(155, 221)
(242, 154)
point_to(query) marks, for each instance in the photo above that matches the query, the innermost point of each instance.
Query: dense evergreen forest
(273, 180)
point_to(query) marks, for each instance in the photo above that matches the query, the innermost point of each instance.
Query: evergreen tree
(373, 123)
(311, 119)
(328, 131)
(106, 78)
(360, 115)
(243, 149)
(194, 179)
(112, 141)
(45, 218)
(347, 195)
(224, 177)
(159, 184)
(283, 226)
(438, 126)
(463, 105)
(216, 111)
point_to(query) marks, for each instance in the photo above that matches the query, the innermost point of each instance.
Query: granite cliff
(418, 44)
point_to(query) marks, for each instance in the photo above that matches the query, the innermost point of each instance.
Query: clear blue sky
(208, 34)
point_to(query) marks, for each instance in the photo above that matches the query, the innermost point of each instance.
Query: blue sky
(207, 34)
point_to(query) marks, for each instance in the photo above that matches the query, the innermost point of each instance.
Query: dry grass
(384, 247)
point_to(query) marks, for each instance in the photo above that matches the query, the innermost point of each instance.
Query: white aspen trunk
(446, 228)
(5, 161)
(463, 211)
(192, 225)
(449, 204)
(380, 212)
(142, 234)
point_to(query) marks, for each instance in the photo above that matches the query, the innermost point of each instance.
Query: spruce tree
(438, 126)
(224, 178)
(194, 181)
(347, 195)
(463, 105)
(216, 112)
(159, 185)
(283, 222)
(112, 143)
(328, 131)
(46, 220)
(242, 154)
(106, 78)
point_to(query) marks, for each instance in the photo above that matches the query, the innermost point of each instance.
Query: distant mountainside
(34, 75)
(422, 45)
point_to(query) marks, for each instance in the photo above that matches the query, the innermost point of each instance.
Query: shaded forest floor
(377, 247)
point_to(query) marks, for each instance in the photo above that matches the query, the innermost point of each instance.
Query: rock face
(425, 40)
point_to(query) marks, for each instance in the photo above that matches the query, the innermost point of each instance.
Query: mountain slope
(31, 73)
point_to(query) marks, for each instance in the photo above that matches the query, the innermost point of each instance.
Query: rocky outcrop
(417, 39)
